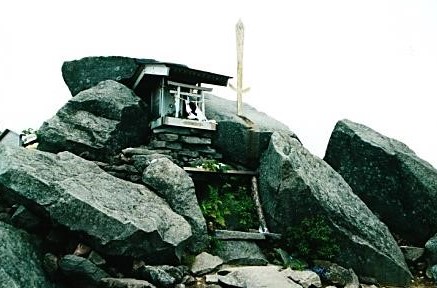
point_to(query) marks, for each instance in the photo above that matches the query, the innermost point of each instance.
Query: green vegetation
(229, 207)
(312, 238)
(288, 261)
(212, 165)
(226, 202)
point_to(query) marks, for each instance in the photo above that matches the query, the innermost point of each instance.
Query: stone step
(239, 235)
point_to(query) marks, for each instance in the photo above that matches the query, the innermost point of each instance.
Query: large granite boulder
(20, 260)
(97, 123)
(113, 216)
(295, 185)
(87, 72)
(241, 139)
(395, 184)
(174, 184)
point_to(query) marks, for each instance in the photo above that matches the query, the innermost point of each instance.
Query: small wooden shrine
(176, 93)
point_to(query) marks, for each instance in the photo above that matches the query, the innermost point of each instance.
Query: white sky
(308, 63)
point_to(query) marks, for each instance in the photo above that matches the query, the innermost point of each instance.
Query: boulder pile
(101, 204)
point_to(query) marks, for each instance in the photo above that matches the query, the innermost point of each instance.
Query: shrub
(312, 238)
(229, 208)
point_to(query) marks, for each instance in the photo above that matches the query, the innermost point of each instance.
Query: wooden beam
(189, 86)
(229, 172)
(186, 93)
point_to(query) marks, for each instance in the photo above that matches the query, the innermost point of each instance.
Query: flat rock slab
(240, 252)
(115, 216)
(125, 283)
(256, 277)
(237, 235)
(205, 263)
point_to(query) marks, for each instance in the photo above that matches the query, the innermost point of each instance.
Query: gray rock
(240, 253)
(355, 283)
(96, 258)
(242, 140)
(412, 253)
(24, 219)
(97, 124)
(175, 185)
(141, 162)
(116, 217)
(205, 263)
(256, 277)
(238, 235)
(81, 269)
(167, 137)
(431, 250)
(211, 278)
(124, 283)
(433, 272)
(195, 140)
(50, 265)
(389, 177)
(20, 264)
(333, 273)
(87, 72)
(295, 185)
(157, 276)
(305, 278)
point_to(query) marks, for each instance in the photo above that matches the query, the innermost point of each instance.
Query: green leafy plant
(288, 261)
(312, 238)
(214, 209)
(229, 207)
(212, 165)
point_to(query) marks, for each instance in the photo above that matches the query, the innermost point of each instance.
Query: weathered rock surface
(239, 139)
(87, 72)
(205, 263)
(174, 184)
(305, 278)
(161, 276)
(124, 283)
(394, 183)
(20, 261)
(431, 250)
(24, 219)
(115, 217)
(240, 253)
(97, 123)
(81, 269)
(412, 253)
(295, 185)
(256, 277)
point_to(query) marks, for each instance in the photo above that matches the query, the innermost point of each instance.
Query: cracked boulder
(389, 177)
(296, 186)
(97, 124)
(114, 217)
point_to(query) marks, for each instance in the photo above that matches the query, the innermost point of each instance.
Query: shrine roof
(185, 74)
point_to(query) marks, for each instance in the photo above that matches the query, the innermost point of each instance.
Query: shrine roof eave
(185, 74)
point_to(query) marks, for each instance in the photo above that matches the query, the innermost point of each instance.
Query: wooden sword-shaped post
(239, 29)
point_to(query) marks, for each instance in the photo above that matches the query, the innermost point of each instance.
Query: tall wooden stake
(240, 41)
(259, 210)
